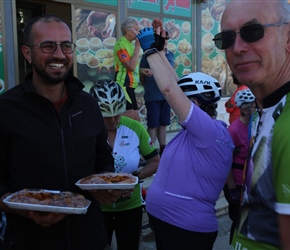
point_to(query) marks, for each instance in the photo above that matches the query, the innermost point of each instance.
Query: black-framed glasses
(50, 47)
(249, 33)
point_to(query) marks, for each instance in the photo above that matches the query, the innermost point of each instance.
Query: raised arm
(172, 70)
(168, 86)
(165, 78)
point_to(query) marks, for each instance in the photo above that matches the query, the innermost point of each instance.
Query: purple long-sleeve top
(191, 174)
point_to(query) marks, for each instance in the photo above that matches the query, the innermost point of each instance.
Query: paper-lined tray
(25, 199)
(108, 181)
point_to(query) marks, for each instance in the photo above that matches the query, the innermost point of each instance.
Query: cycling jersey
(191, 174)
(123, 51)
(131, 140)
(267, 179)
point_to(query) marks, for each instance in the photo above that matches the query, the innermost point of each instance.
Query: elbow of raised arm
(166, 90)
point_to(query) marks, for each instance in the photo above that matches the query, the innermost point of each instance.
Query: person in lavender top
(195, 164)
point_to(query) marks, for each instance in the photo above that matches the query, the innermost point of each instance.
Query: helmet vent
(110, 97)
(189, 88)
(244, 96)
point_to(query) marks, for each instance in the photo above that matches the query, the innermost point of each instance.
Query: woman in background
(245, 101)
(230, 105)
(128, 139)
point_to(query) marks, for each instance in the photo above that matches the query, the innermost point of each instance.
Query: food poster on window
(2, 85)
(213, 60)
(180, 44)
(95, 40)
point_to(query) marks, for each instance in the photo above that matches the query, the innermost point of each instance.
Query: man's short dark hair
(27, 36)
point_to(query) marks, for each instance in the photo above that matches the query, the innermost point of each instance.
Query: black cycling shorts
(131, 94)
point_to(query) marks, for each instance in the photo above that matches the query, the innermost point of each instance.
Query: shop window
(96, 37)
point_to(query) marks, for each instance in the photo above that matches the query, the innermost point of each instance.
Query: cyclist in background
(245, 101)
(128, 140)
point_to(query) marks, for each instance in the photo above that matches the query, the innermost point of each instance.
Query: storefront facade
(96, 26)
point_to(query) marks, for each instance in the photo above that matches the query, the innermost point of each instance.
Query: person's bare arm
(168, 86)
(284, 225)
(132, 63)
(166, 80)
(172, 70)
(150, 168)
(143, 73)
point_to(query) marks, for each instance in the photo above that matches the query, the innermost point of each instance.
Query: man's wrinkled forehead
(253, 11)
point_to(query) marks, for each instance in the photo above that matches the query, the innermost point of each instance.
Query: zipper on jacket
(72, 116)
(66, 182)
(64, 155)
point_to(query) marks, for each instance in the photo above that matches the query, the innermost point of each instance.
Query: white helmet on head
(206, 88)
(110, 97)
(244, 96)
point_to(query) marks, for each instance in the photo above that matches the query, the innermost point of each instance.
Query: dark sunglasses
(249, 33)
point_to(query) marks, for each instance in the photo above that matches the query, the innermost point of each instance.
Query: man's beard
(49, 78)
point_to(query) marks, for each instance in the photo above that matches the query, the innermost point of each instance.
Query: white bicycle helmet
(110, 97)
(200, 85)
(244, 96)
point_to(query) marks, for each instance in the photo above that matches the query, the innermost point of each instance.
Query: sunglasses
(249, 33)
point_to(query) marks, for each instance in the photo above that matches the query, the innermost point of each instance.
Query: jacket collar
(73, 85)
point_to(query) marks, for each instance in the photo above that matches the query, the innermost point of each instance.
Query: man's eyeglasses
(50, 47)
(249, 33)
